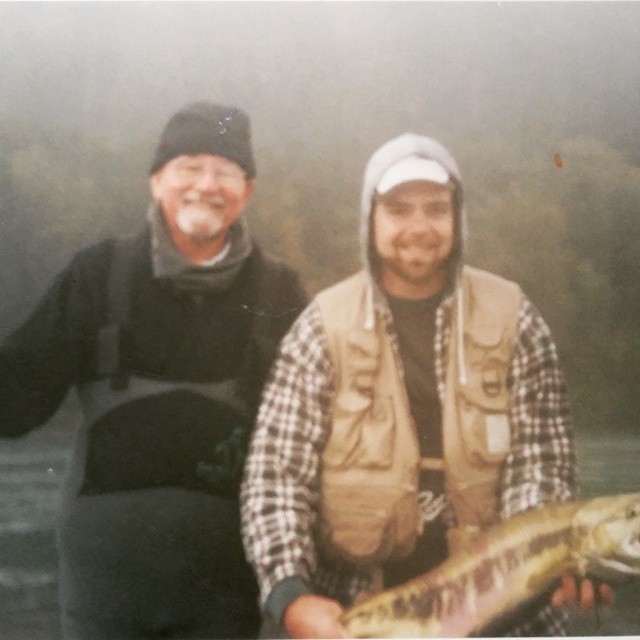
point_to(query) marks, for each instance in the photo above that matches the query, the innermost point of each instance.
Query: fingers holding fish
(582, 593)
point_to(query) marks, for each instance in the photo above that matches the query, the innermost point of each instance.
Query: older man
(167, 336)
(407, 402)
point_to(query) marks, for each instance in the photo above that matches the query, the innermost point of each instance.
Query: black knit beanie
(205, 127)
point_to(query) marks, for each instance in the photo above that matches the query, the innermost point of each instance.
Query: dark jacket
(173, 336)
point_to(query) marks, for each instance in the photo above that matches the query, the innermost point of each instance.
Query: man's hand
(582, 593)
(310, 616)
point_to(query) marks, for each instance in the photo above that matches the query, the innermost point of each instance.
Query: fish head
(607, 540)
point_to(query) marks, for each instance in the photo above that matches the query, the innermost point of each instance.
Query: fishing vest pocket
(363, 413)
(368, 509)
(363, 430)
(483, 402)
(367, 524)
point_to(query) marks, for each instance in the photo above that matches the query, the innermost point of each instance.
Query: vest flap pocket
(359, 535)
(487, 355)
(362, 361)
(363, 432)
(365, 343)
(365, 524)
(363, 352)
(355, 401)
(485, 334)
(486, 435)
(486, 387)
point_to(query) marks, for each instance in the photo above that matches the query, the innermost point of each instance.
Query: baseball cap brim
(411, 169)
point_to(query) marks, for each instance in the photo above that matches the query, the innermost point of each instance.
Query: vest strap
(431, 464)
(110, 339)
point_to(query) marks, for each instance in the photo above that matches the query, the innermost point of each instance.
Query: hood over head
(410, 157)
(403, 159)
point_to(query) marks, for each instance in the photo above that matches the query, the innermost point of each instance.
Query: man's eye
(229, 172)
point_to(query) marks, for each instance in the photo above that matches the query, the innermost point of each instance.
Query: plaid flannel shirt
(280, 491)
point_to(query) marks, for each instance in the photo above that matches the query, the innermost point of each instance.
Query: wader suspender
(268, 289)
(112, 336)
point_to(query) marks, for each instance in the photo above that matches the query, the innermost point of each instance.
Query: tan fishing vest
(370, 465)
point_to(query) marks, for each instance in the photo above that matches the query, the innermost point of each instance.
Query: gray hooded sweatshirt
(386, 156)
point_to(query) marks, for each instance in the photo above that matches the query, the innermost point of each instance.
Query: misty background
(85, 89)
(538, 102)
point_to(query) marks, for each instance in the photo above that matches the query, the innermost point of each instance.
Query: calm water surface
(611, 465)
(31, 470)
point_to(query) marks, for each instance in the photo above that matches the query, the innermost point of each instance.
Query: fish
(503, 568)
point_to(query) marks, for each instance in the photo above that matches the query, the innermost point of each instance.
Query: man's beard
(420, 269)
(200, 221)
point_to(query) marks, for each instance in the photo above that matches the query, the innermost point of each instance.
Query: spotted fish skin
(506, 566)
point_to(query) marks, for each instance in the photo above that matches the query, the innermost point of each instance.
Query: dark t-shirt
(414, 323)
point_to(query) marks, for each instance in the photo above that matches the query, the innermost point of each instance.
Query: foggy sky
(337, 75)
(503, 85)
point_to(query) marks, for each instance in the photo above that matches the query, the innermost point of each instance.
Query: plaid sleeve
(281, 481)
(541, 465)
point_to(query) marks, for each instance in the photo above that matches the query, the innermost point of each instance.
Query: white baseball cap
(410, 169)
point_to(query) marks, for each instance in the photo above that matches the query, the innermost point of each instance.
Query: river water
(610, 465)
(31, 470)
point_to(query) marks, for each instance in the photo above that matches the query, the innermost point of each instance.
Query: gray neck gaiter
(169, 264)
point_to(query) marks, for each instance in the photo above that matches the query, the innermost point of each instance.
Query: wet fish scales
(506, 568)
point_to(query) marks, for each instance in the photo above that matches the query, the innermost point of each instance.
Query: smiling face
(413, 236)
(201, 196)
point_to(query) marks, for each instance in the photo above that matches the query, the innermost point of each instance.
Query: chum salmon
(506, 566)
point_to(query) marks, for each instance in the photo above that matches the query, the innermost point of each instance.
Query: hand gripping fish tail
(506, 567)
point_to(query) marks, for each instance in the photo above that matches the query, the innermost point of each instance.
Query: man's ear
(250, 186)
(154, 185)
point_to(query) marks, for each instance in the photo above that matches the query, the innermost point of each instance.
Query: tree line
(560, 216)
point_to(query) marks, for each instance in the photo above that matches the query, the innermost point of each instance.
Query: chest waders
(165, 561)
